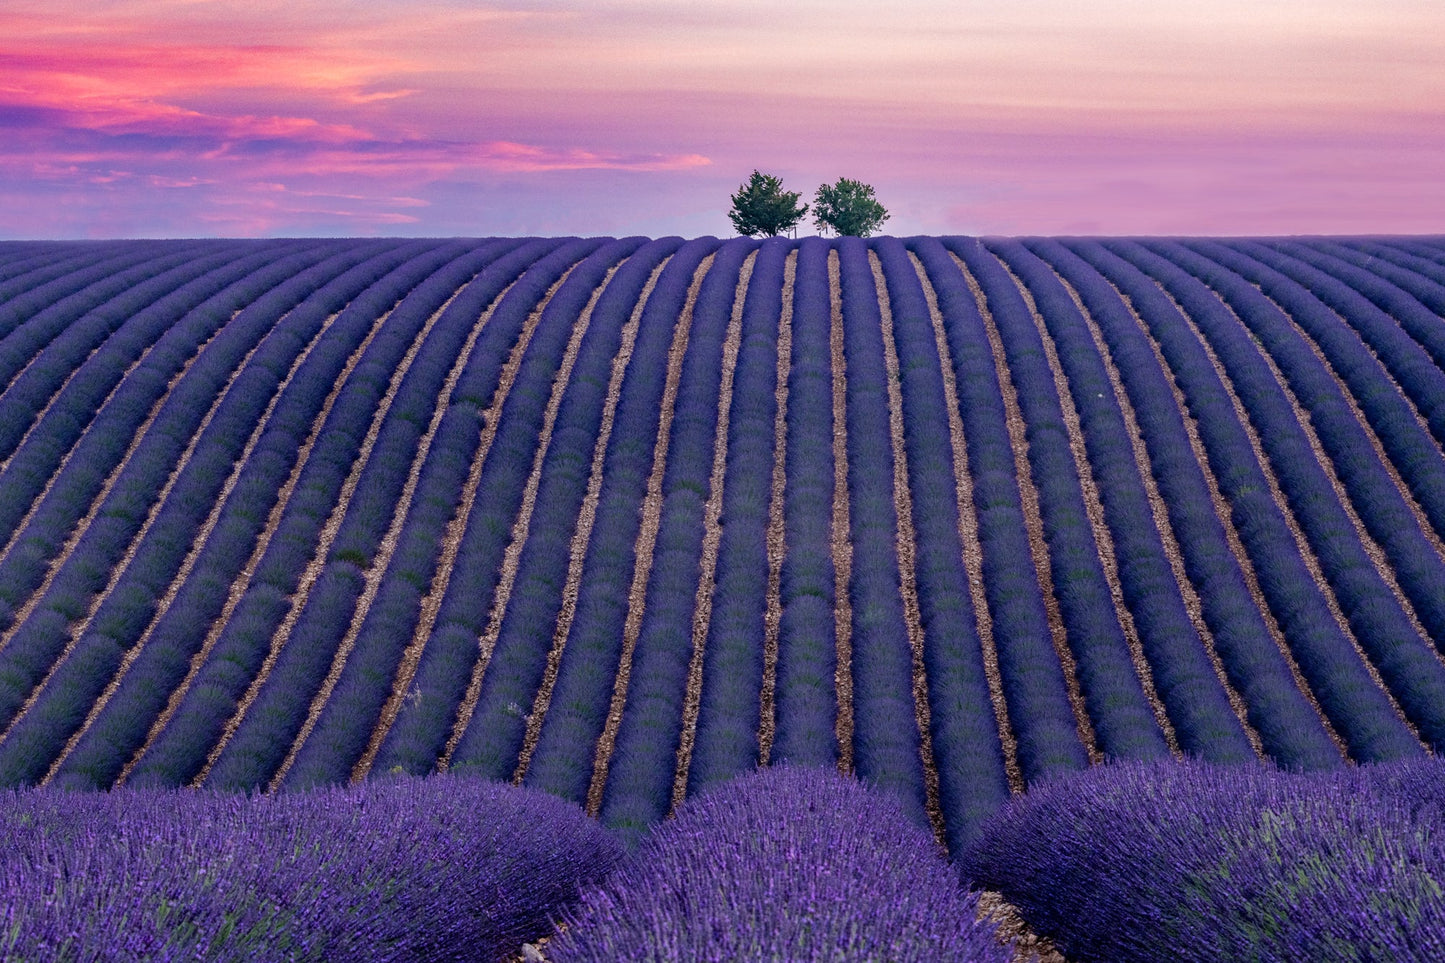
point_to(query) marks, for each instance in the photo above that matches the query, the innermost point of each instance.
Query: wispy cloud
(84, 113)
(1010, 116)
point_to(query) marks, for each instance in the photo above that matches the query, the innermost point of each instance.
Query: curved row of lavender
(1209, 863)
(790, 863)
(442, 868)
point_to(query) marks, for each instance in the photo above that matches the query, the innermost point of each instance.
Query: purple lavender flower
(1197, 862)
(788, 863)
(443, 868)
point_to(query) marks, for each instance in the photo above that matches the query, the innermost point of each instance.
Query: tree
(762, 207)
(848, 208)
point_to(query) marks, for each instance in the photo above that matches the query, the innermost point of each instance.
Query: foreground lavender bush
(444, 868)
(1210, 863)
(790, 863)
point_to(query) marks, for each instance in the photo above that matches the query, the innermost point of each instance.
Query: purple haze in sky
(438, 117)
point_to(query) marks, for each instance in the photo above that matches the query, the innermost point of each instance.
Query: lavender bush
(179, 755)
(1048, 740)
(1381, 625)
(1122, 719)
(577, 715)
(1194, 700)
(793, 863)
(732, 673)
(886, 737)
(967, 750)
(639, 786)
(1363, 346)
(444, 868)
(1288, 726)
(806, 703)
(1209, 863)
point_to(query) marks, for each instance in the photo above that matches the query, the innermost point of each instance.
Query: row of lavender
(789, 862)
(294, 512)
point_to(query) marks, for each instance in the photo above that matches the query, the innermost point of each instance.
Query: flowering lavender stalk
(443, 868)
(794, 863)
(1209, 863)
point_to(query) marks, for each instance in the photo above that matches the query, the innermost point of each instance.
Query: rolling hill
(621, 519)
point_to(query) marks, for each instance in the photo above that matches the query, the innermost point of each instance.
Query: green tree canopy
(762, 207)
(848, 208)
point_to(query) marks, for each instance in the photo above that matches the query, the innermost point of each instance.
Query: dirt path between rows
(76, 630)
(1297, 535)
(188, 564)
(1376, 553)
(712, 537)
(322, 553)
(777, 546)
(1094, 508)
(1033, 520)
(521, 526)
(582, 534)
(1306, 551)
(1366, 427)
(1029, 947)
(446, 553)
(841, 536)
(493, 418)
(78, 532)
(386, 550)
(1158, 510)
(972, 548)
(906, 547)
(60, 391)
(646, 542)
(1221, 511)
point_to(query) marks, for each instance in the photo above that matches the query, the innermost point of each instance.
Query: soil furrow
(322, 553)
(65, 459)
(841, 537)
(777, 547)
(651, 513)
(906, 541)
(1094, 507)
(78, 532)
(712, 537)
(512, 556)
(1033, 520)
(582, 534)
(381, 563)
(188, 564)
(118, 265)
(447, 554)
(1029, 947)
(968, 536)
(36, 358)
(1221, 511)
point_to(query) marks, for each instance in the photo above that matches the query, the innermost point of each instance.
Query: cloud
(1014, 115)
(510, 156)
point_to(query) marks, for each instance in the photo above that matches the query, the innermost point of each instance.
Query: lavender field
(622, 520)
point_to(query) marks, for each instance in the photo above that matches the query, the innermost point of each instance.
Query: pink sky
(440, 117)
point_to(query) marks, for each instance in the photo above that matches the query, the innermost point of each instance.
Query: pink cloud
(433, 116)
(511, 156)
